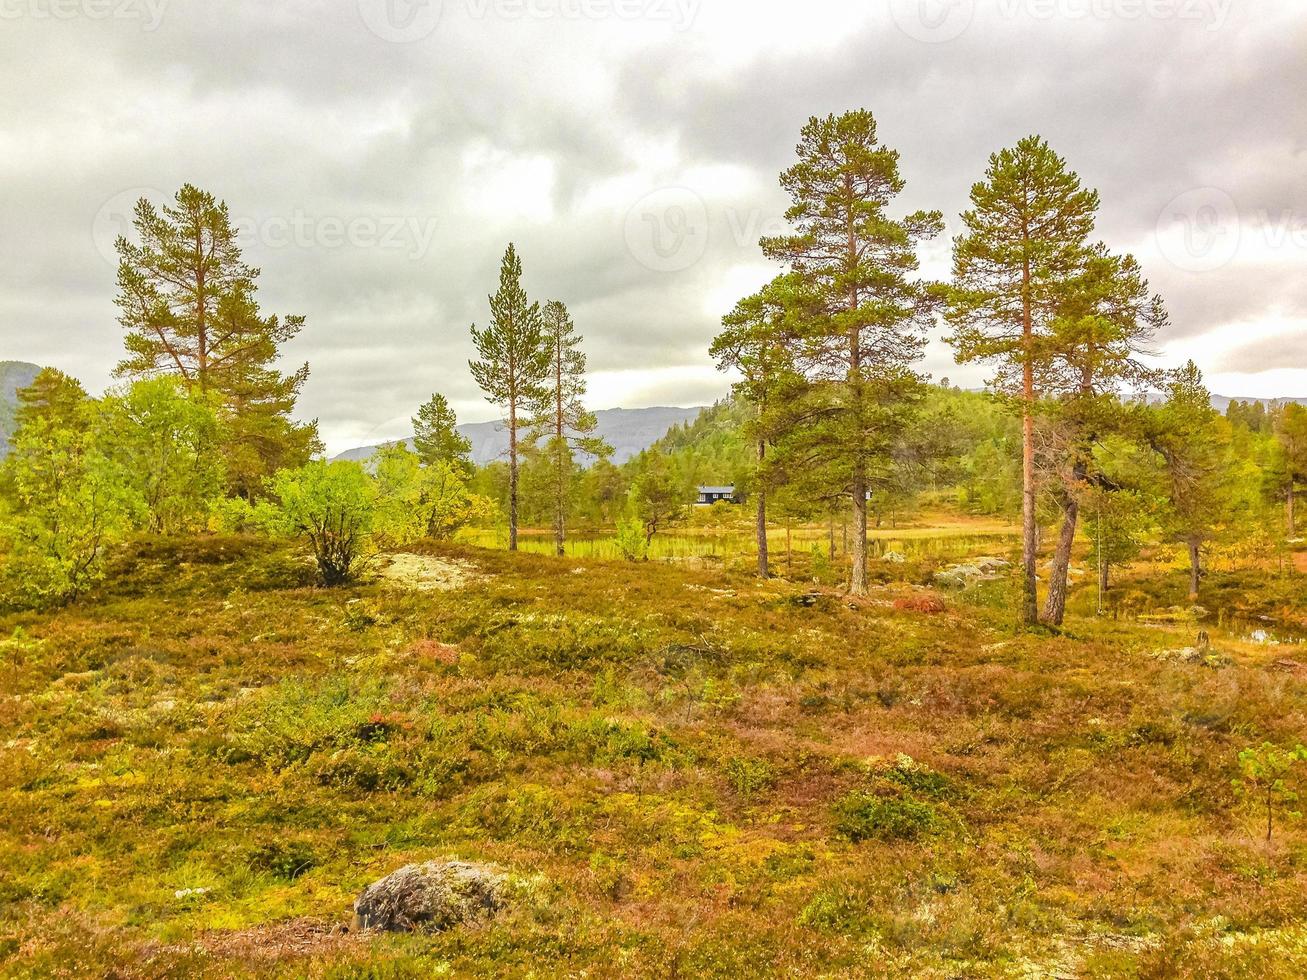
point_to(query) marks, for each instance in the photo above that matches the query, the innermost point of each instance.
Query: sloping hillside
(628, 431)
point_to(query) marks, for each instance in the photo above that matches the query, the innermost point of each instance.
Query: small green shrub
(631, 540)
(1263, 780)
(863, 816)
(749, 776)
(283, 859)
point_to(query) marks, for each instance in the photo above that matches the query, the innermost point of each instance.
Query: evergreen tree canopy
(436, 437)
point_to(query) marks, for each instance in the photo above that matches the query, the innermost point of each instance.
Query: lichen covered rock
(430, 897)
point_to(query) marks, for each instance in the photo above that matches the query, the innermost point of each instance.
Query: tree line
(830, 419)
(828, 351)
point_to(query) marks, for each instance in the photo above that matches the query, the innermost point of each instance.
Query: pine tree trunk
(559, 518)
(763, 570)
(201, 310)
(512, 475)
(560, 450)
(1195, 568)
(1055, 603)
(1293, 529)
(1029, 529)
(831, 537)
(1104, 581)
(858, 578)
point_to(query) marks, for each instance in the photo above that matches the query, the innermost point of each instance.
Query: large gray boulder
(430, 897)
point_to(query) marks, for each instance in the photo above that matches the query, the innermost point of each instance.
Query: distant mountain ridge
(629, 431)
(14, 375)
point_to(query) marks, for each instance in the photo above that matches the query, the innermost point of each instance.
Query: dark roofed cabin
(710, 495)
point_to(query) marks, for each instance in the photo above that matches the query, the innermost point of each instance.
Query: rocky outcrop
(430, 897)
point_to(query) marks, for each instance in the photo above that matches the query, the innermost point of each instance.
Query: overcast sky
(380, 154)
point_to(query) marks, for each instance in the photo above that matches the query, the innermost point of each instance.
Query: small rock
(430, 897)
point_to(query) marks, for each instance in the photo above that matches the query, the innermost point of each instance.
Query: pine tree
(561, 420)
(1101, 328)
(1025, 241)
(436, 438)
(186, 300)
(757, 341)
(1193, 441)
(513, 364)
(52, 400)
(869, 326)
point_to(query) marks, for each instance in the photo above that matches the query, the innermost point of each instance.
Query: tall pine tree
(868, 331)
(186, 300)
(561, 420)
(1025, 242)
(1102, 327)
(513, 364)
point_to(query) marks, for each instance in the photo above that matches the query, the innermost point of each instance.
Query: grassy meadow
(686, 772)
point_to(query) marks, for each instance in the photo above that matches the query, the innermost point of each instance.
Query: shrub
(749, 776)
(416, 501)
(165, 439)
(1263, 775)
(863, 816)
(332, 506)
(282, 859)
(631, 540)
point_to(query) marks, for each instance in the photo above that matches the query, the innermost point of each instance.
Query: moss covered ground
(684, 771)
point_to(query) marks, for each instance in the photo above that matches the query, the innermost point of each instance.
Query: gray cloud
(379, 182)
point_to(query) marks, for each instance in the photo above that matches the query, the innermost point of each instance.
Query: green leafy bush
(863, 815)
(333, 507)
(631, 540)
(1263, 780)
